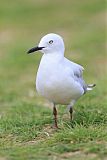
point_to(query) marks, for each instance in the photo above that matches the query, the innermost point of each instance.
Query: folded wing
(77, 71)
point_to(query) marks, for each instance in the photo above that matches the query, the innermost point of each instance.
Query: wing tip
(90, 87)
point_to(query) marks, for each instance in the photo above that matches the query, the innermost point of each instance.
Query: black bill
(35, 49)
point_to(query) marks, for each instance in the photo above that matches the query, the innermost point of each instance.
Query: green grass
(25, 117)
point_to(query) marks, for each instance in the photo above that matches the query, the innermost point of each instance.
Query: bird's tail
(90, 86)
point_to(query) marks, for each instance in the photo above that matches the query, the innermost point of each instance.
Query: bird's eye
(51, 41)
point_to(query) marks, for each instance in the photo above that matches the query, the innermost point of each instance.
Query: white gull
(59, 79)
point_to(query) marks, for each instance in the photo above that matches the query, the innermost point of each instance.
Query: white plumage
(58, 79)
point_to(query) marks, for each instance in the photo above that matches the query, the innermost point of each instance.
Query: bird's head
(50, 43)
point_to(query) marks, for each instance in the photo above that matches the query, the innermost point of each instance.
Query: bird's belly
(59, 91)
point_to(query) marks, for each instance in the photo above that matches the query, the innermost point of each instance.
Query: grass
(25, 117)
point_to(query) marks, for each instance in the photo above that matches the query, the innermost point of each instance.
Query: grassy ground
(25, 117)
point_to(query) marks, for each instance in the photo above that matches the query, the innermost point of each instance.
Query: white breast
(55, 83)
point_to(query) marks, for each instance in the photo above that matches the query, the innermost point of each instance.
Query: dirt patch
(2, 158)
(78, 154)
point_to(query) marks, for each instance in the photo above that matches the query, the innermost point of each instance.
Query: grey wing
(79, 78)
(78, 74)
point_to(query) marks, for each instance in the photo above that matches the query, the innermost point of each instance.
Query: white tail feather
(90, 87)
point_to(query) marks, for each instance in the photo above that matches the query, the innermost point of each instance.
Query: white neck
(56, 56)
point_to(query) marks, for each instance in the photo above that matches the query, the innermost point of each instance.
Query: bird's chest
(54, 86)
(48, 79)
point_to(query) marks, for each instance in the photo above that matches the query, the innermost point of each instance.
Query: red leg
(55, 116)
(71, 112)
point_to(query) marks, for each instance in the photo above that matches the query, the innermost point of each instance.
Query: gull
(58, 79)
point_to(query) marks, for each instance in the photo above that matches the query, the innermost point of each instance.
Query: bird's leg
(71, 113)
(70, 107)
(55, 116)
